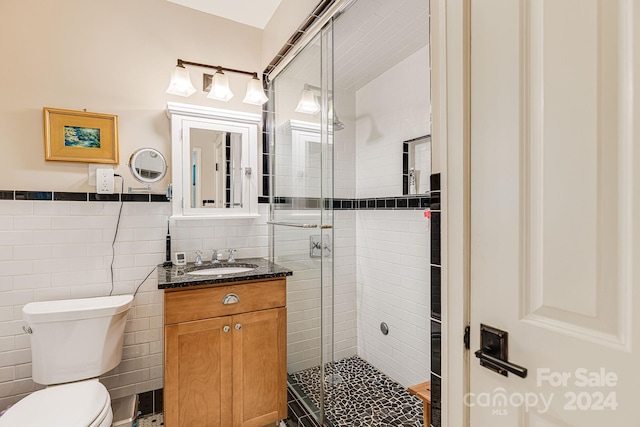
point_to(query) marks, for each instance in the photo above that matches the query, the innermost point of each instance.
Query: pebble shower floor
(360, 395)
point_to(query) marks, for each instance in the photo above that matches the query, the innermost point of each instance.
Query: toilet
(73, 342)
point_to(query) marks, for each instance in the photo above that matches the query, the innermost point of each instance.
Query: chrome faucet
(232, 255)
(214, 257)
(198, 262)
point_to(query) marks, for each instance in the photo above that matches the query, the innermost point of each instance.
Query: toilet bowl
(72, 343)
(82, 404)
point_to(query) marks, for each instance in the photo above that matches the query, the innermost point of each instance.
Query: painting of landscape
(75, 136)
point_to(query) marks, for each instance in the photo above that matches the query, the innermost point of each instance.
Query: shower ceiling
(369, 38)
(374, 35)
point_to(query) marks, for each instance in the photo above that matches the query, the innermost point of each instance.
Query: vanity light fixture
(220, 89)
(255, 94)
(217, 85)
(180, 82)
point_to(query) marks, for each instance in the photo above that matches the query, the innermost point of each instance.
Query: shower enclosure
(301, 214)
(345, 221)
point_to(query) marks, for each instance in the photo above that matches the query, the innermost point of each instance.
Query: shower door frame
(326, 217)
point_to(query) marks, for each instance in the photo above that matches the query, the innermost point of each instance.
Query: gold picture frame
(80, 136)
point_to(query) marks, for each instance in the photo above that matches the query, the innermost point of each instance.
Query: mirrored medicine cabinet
(214, 158)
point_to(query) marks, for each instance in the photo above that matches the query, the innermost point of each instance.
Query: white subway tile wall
(304, 288)
(393, 287)
(392, 246)
(56, 249)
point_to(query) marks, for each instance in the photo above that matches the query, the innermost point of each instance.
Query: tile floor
(359, 395)
(154, 420)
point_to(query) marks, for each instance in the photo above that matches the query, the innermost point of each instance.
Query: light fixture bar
(216, 67)
(217, 84)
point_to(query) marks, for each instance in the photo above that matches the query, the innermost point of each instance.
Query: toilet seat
(80, 404)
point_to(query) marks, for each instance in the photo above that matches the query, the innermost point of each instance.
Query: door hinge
(467, 337)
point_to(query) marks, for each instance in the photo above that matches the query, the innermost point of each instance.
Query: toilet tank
(76, 339)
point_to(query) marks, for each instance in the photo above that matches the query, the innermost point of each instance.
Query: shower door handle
(292, 224)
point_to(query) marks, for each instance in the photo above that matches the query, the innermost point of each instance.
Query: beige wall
(111, 57)
(287, 18)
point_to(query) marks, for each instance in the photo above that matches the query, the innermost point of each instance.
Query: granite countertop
(177, 277)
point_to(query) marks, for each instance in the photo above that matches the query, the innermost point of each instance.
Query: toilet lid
(68, 405)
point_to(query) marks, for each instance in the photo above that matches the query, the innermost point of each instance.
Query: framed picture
(80, 136)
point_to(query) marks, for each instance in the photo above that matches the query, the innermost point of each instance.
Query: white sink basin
(220, 270)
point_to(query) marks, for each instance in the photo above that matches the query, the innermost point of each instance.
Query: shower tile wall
(58, 249)
(392, 251)
(392, 108)
(393, 287)
(303, 291)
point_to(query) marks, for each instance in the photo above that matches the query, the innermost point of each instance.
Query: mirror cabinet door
(214, 155)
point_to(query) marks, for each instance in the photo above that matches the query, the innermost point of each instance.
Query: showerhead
(337, 124)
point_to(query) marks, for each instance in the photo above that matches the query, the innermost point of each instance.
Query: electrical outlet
(104, 181)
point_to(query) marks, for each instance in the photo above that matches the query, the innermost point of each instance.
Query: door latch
(494, 352)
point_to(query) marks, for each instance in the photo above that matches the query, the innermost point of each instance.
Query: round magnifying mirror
(147, 165)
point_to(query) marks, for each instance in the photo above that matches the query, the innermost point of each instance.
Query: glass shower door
(301, 214)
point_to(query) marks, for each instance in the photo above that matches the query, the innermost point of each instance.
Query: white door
(555, 210)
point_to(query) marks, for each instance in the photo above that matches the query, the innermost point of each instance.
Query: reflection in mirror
(147, 165)
(300, 155)
(416, 165)
(216, 171)
(214, 153)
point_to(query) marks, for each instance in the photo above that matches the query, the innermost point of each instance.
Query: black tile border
(412, 202)
(67, 196)
(33, 195)
(436, 400)
(435, 316)
(151, 402)
(436, 286)
(71, 196)
(297, 411)
(95, 197)
(436, 347)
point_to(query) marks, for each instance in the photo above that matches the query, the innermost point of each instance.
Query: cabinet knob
(226, 329)
(231, 299)
(238, 326)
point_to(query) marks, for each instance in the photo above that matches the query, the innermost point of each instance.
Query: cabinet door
(198, 373)
(259, 368)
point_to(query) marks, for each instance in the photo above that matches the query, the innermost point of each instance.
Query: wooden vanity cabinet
(225, 364)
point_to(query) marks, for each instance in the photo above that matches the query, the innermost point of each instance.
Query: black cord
(115, 235)
(145, 279)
